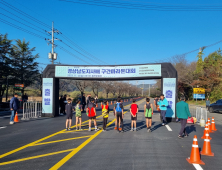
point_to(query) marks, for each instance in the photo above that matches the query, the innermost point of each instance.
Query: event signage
(108, 71)
(169, 91)
(47, 90)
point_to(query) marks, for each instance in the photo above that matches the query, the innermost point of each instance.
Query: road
(43, 144)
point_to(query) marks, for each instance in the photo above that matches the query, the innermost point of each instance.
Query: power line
(23, 24)
(24, 14)
(62, 48)
(80, 48)
(81, 53)
(146, 7)
(22, 19)
(20, 28)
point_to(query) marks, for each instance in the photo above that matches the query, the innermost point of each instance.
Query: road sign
(198, 91)
(19, 85)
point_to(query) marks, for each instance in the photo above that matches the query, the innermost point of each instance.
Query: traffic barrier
(31, 110)
(16, 117)
(199, 112)
(195, 154)
(209, 126)
(213, 126)
(206, 147)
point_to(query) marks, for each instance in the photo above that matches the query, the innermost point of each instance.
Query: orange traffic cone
(108, 103)
(195, 154)
(209, 126)
(206, 147)
(111, 103)
(16, 117)
(96, 105)
(101, 104)
(206, 135)
(205, 131)
(213, 126)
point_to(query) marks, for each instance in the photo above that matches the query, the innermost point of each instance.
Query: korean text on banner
(109, 71)
(169, 91)
(47, 90)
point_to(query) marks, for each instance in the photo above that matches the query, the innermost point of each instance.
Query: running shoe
(89, 130)
(131, 130)
(185, 136)
(115, 128)
(66, 129)
(80, 129)
(149, 130)
(122, 131)
(163, 124)
(134, 129)
(11, 123)
(69, 129)
(180, 137)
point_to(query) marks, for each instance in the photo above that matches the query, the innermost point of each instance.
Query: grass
(198, 102)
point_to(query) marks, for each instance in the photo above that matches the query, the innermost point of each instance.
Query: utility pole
(52, 55)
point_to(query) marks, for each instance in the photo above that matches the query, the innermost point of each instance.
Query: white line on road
(198, 167)
(2, 127)
(168, 128)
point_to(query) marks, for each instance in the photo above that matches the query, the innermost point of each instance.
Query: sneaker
(115, 128)
(180, 137)
(66, 129)
(77, 129)
(89, 130)
(80, 129)
(149, 130)
(134, 129)
(11, 123)
(104, 130)
(122, 131)
(69, 129)
(185, 136)
(131, 130)
(163, 124)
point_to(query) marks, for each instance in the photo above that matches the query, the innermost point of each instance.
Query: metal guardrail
(199, 113)
(31, 110)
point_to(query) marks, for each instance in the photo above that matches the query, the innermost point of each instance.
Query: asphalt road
(43, 144)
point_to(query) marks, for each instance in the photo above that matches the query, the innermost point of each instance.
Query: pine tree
(24, 64)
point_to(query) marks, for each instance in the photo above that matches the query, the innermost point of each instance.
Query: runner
(163, 103)
(134, 110)
(148, 110)
(78, 115)
(69, 113)
(119, 114)
(105, 113)
(114, 112)
(91, 110)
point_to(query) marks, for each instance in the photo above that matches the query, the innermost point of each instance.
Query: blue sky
(119, 36)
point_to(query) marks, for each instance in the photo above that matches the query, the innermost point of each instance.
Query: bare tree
(95, 85)
(107, 86)
(80, 85)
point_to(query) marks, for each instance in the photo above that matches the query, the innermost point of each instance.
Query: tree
(80, 85)
(24, 64)
(95, 85)
(107, 86)
(6, 69)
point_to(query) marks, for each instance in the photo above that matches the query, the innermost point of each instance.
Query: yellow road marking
(71, 154)
(42, 139)
(33, 143)
(34, 157)
(55, 141)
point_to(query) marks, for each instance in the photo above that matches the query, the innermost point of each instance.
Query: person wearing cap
(163, 103)
(14, 106)
(183, 113)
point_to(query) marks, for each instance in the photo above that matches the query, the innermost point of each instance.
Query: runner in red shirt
(133, 110)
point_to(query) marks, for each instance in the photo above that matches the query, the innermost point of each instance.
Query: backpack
(118, 108)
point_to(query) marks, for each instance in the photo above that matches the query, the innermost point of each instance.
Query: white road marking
(198, 167)
(168, 128)
(2, 127)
